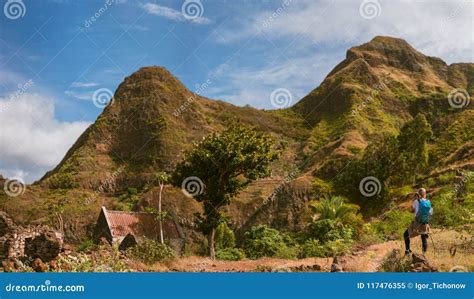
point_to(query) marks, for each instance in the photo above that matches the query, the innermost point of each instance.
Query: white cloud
(32, 141)
(172, 14)
(86, 96)
(84, 84)
(437, 28)
(253, 85)
(303, 41)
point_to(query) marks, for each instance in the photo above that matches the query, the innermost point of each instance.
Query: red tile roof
(139, 224)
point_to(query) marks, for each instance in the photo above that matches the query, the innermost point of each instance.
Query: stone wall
(31, 241)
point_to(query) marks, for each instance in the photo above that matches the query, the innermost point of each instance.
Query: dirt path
(366, 259)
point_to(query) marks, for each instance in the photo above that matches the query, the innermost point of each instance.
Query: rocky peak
(389, 51)
(152, 81)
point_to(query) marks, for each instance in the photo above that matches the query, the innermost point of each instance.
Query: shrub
(224, 237)
(288, 252)
(448, 212)
(393, 224)
(104, 259)
(394, 262)
(85, 246)
(63, 181)
(312, 248)
(150, 251)
(447, 178)
(326, 230)
(369, 236)
(338, 247)
(263, 241)
(333, 208)
(230, 254)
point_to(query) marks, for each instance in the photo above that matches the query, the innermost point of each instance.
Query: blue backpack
(423, 216)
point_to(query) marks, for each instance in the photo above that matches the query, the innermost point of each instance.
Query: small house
(114, 226)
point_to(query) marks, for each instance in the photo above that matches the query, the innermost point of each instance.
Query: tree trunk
(212, 250)
(159, 215)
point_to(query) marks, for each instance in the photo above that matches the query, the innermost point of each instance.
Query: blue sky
(55, 54)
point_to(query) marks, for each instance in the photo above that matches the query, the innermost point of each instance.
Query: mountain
(153, 118)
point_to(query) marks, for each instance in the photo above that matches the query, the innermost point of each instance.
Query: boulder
(336, 267)
(420, 264)
(39, 266)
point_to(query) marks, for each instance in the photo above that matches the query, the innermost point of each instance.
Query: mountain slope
(153, 118)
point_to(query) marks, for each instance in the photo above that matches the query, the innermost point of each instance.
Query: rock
(39, 266)
(420, 264)
(8, 265)
(306, 268)
(45, 246)
(317, 267)
(336, 267)
(281, 269)
(53, 265)
(418, 258)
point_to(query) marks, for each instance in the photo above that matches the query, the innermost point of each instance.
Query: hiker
(419, 226)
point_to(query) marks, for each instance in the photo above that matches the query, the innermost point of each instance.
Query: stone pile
(29, 242)
(421, 264)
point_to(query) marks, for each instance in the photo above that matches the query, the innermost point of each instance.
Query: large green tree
(223, 164)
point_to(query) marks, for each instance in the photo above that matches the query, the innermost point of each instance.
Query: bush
(369, 236)
(150, 251)
(312, 248)
(447, 212)
(63, 181)
(103, 259)
(393, 224)
(326, 230)
(85, 246)
(287, 252)
(264, 241)
(447, 178)
(338, 247)
(224, 237)
(394, 262)
(230, 254)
